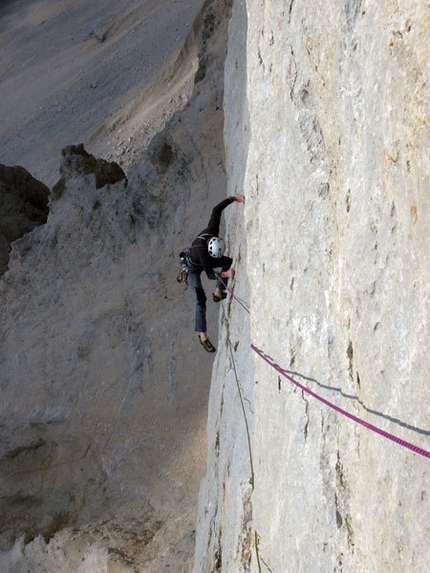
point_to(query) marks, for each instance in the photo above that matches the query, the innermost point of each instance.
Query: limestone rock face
(104, 385)
(23, 206)
(76, 161)
(319, 115)
(326, 134)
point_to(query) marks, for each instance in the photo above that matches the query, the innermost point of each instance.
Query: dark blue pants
(196, 286)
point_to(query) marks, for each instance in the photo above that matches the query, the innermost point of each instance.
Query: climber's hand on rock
(228, 274)
(239, 198)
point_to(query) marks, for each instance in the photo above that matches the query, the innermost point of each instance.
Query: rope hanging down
(371, 427)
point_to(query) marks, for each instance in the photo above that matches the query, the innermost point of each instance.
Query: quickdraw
(185, 263)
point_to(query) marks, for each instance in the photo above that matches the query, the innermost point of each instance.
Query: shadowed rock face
(23, 206)
(104, 385)
(77, 161)
(24, 200)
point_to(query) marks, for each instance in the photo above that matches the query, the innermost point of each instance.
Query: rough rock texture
(107, 74)
(76, 161)
(327, 134)
(104, 385)
(23, 206)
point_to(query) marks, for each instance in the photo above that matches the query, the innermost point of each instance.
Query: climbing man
(206, 254)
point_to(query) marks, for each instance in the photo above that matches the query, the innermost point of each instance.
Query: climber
(206, 254)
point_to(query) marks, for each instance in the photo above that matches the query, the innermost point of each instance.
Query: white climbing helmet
(216, 247)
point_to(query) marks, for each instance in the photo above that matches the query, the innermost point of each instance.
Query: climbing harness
(185, 263)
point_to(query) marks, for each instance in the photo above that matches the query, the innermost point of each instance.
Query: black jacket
(198, 253)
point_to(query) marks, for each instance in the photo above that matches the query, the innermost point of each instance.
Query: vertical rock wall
(327, 135)
(224, 528)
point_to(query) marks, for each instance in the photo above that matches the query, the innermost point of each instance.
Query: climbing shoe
(207, 345)
(219, 298)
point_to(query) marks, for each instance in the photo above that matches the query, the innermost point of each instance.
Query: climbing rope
(240, 301)
(248, 433)
(387, 435)
(371, 427)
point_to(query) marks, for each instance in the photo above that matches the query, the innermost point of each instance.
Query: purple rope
(231, 292)
(387, 435)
